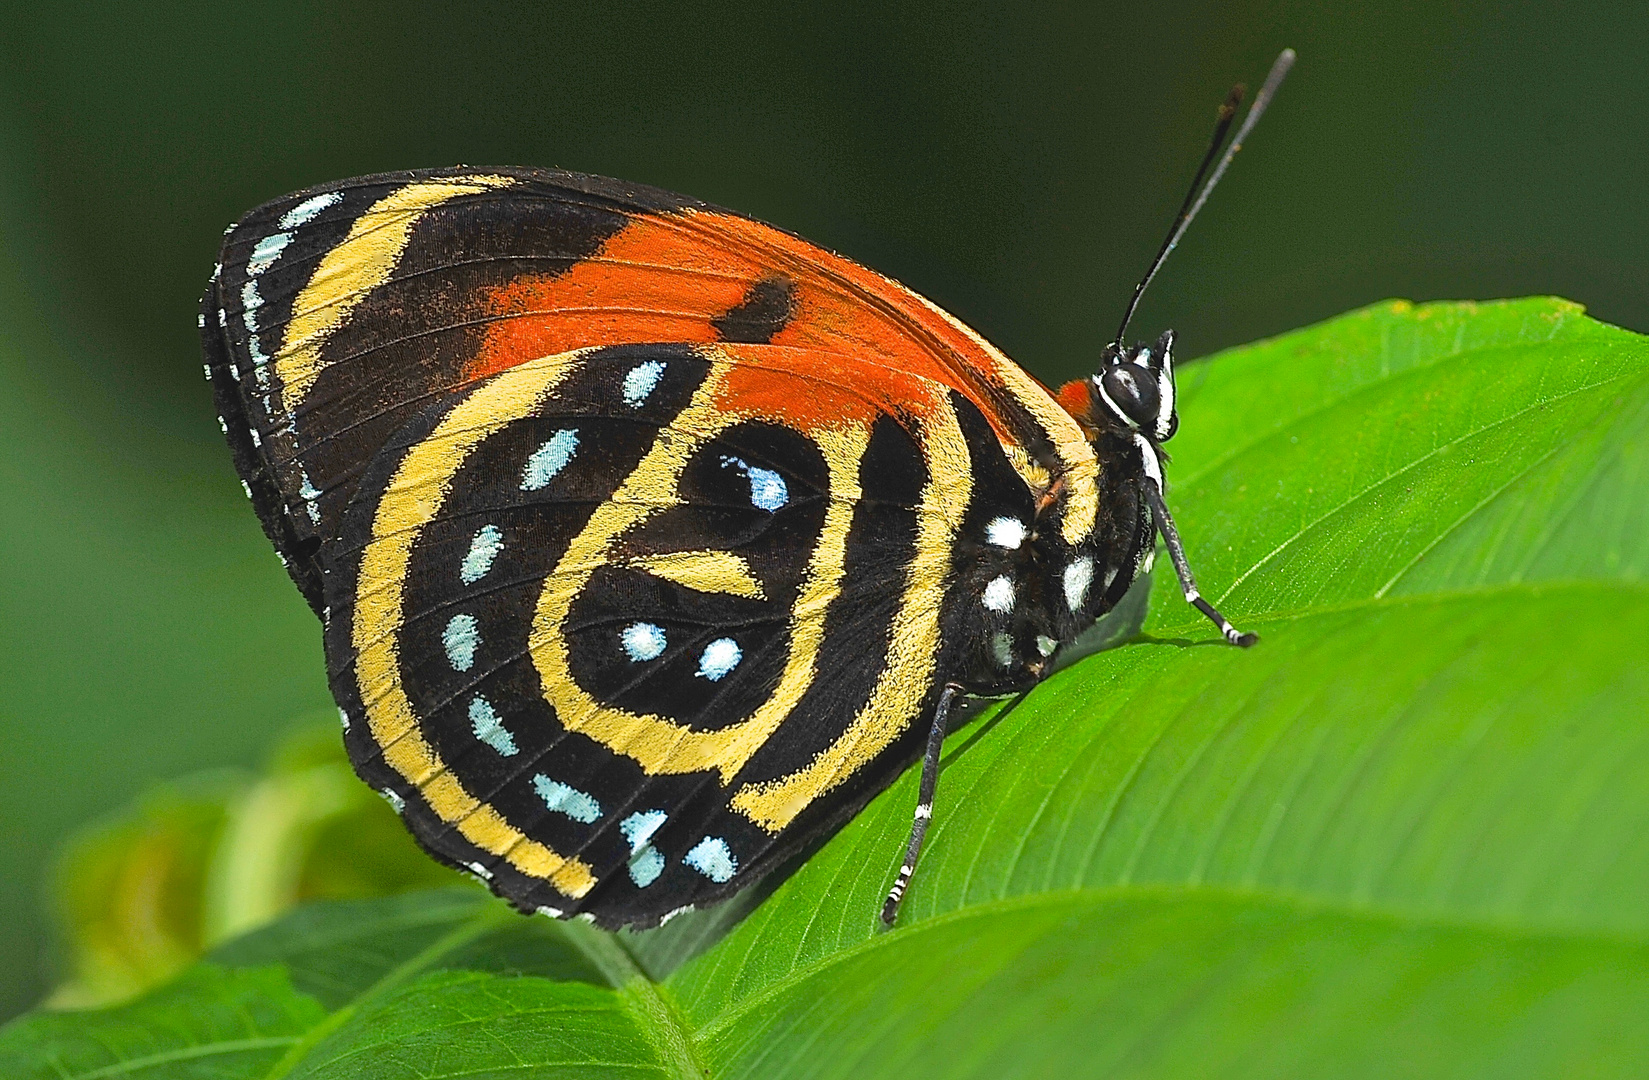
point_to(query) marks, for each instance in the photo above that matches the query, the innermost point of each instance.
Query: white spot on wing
(713, 858)
(484, 548)
(1005, 532)
(489, 729)
(999, 594)
(641, 381)
(305, 211)
(643, 641)
(719, 657)
(1079, 575)
(566, 800)
(1002, 647)
(460, 639)
(549, 459)
(396, 803)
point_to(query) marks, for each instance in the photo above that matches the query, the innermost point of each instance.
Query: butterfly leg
(924, 802)
(1170, 536)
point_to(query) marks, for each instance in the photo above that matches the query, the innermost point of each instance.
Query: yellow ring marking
(913, 644)
(658, 744)
(706, 571)
(411, 501)
(1081, 471)
(361, 262)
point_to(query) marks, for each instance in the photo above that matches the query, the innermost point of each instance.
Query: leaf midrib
(1304, 904)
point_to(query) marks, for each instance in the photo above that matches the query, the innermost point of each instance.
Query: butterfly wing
(340, 314)
(618, 628)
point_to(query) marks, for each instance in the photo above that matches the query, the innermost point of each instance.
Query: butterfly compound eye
(1132, 390)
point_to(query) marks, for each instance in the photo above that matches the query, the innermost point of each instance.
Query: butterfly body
(647, 537)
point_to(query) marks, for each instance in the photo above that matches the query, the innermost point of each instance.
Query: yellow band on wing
(1078, 467)
(658, 744)
(706, 571)
(913, 646)
(411, 501)
(361, 262)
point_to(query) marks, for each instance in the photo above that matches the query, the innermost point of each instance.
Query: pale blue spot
(549, 459)
(250, 302)
(305, 211)
(566, 800)
(643, 641)
(719, 657)
(767, 488)
(639, 828)
(488, 728)
(310, 494)
(259, 358)
(645, 866)
(266, 251)
(713, 858)
(641, 381)
(460, 639)
(483, 550)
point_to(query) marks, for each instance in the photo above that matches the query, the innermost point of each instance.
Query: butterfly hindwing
(618, 639)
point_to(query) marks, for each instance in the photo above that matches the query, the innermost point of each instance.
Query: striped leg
(924, 802)
(1170, 535)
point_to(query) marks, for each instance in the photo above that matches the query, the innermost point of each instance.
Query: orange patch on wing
(843, 307)
(652, 281)
(811, 390)
(666, 277)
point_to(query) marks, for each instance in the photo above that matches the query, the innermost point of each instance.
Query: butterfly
(650, 541)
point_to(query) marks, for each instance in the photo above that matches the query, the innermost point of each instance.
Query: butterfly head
(1134, 387)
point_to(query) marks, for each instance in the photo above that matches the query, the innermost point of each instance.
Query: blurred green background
(1017, 163)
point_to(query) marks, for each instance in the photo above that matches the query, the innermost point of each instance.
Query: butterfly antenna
(1199, 192)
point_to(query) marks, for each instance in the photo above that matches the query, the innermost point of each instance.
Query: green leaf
(1406, 834)
(208, 1023)
(140, 896)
